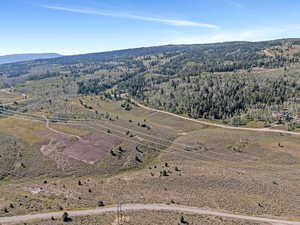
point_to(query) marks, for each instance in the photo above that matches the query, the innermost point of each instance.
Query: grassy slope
(231, 170)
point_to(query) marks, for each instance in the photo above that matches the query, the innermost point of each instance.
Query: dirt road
(197, 121)
(59, 132)
(139, 207)
(216, 124)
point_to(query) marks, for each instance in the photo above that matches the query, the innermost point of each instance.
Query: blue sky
(83, 26)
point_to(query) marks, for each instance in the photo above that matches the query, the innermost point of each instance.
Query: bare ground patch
(93, 147)
(90, 149)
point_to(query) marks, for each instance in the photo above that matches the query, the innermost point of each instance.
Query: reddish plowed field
(92, 148)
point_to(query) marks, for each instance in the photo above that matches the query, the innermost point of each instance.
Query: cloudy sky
(83, 26)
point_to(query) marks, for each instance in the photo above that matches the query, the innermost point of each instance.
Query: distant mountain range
(26, 57)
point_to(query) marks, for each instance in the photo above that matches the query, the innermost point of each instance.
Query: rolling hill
(183, 79)
(26, 57)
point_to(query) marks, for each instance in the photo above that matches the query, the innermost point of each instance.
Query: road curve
(139, 207)
(194, 120)
(59, 132)
(216, 124)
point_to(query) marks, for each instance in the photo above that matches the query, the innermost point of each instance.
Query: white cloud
(173, 22)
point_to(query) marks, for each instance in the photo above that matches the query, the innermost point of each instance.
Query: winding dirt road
(194, 120)
(139, 207)
(216, 124)
(59, 132)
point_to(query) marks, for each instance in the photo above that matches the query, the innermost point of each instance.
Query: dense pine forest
(216, 96)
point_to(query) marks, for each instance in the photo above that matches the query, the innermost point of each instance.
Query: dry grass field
(175, 161)
(8, 96)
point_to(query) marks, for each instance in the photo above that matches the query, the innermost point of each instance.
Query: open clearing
(92, 147)
(233, 170)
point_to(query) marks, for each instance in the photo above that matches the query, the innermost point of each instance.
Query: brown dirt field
(92, 148)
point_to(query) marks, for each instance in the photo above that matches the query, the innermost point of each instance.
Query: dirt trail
(190, 119)
(139, 207)
(216, 124)
(59, 132)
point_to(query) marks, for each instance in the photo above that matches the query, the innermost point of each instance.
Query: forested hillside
(172, 59)
(218, 96)
(221, 81)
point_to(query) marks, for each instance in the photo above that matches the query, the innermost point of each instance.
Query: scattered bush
(66, 218)
(100, 204)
